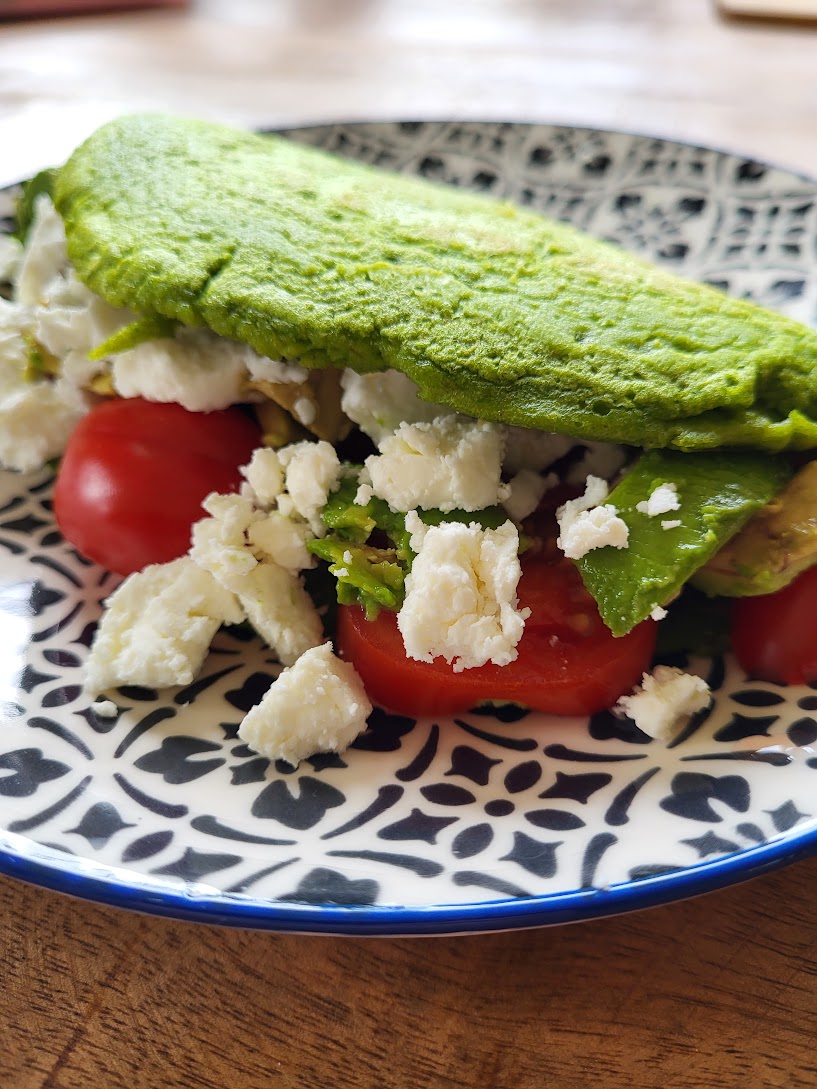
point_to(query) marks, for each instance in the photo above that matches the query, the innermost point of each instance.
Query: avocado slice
(718, 494)
(369, 574)
(772, 549)
(493, 310)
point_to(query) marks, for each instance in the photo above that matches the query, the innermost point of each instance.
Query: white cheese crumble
(199, 370)
(365, 491)
(312, 473)
(379, 403)
(305, 410)
(317, 705)
(663, 700)
(461, 601)
(525, 493)
(13, 349)
(104, 708)
(282, 540)
(281, 611)
(657, 612)
(72, 319)
(262, 369)
(663, 499)
(45, 254)
(219, 543)
(451, 463)
(36, 420)
(54, 313)
(269, 593)
(11, 257)
(600, 527)
(157, 627)
(670, 523)
(585, 525)
(265, 476)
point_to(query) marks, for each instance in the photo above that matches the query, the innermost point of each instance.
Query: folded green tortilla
(491, 309)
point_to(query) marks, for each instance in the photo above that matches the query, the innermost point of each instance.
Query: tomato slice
(774, 635)
(568, 662)
(134, 473)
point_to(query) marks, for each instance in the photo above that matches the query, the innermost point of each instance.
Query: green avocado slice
(773, 548)
(491, 309)
(717, 493)
(367, 574)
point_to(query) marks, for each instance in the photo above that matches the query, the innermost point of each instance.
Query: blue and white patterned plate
(492, 820)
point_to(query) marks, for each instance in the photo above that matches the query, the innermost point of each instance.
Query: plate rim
(92, 882)
(484, 916)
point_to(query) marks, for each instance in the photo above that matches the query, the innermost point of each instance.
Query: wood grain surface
(672, 68)
(713, 993)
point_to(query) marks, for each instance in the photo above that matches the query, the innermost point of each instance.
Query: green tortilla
(493, 310)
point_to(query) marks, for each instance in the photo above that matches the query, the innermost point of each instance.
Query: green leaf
(718, 493)
(41, 184)
(150, 327)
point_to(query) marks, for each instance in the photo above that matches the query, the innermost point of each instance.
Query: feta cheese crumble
(71, 320)
(44, 256)
(670, 523)
(219, 543)
(584, 524)
(36, 420)
(526, 491)
(11, 257)
(379, 403)
(282, 540)
(664, 700)
(276, 371)
(201, 371)
(51, 313)
(264, 476)
(317, 705)
(104, 708)
(663, 499)
(268, 591)
(281, 611)
(451, 463)
(312, 473)
(461, 601)
(157, 627)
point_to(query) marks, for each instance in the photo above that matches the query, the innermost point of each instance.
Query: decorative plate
(496, 819)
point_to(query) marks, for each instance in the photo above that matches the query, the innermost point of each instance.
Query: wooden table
(716, 992)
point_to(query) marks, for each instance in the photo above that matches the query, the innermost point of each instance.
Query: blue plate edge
(436, 920)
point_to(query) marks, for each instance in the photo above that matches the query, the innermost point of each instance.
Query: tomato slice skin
(135, 472)
(774, 636)
(568, 662)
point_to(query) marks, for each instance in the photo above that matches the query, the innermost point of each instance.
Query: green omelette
(493, 310)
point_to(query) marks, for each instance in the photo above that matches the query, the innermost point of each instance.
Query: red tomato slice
(568, 662)
(134, 474)
(774, 636)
